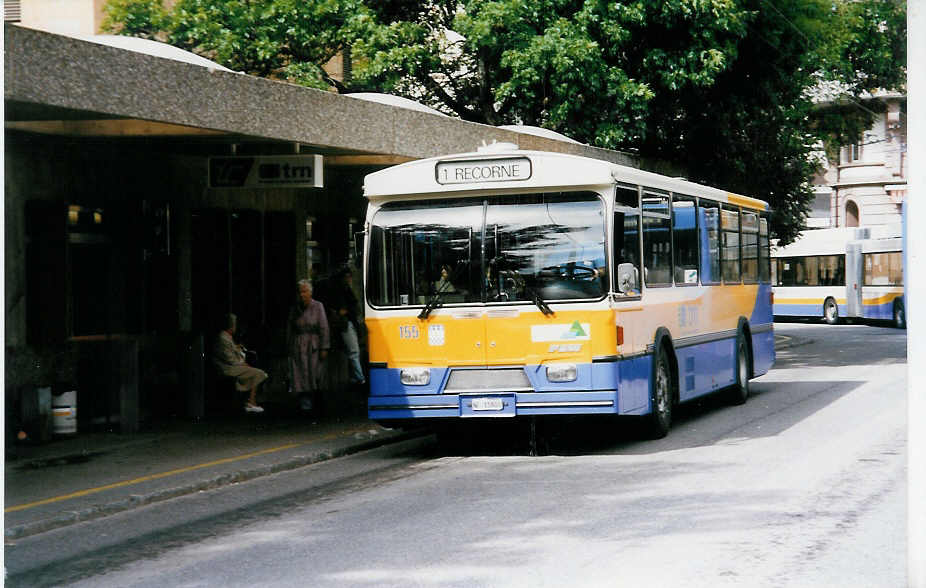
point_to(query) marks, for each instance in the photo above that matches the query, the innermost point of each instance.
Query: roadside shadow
(851, 353)
(772, 408)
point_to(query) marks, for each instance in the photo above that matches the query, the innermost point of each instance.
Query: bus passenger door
(633, 371)
(854, 276)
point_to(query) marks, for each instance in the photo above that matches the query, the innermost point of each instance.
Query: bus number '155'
(408, 332)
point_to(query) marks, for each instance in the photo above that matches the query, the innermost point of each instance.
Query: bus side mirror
(626, 278)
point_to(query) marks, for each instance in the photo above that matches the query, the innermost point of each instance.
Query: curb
(138, 500)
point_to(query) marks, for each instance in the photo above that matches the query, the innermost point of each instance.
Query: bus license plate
(488, 404)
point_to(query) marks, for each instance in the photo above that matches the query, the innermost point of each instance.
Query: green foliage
(281, 39)
(872, 47)
(718, 86)
(135, 18)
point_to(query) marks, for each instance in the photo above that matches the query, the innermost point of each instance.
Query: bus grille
(462, 381)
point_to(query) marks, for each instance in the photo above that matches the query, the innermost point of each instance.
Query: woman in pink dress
(308, 341)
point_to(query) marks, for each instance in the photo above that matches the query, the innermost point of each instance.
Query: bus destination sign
(486, 170)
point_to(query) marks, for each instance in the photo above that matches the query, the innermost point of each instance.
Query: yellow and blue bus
(510, 283)
(839, 273)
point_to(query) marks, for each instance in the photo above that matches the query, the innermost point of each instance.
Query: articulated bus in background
(841, 273)
(509, 283)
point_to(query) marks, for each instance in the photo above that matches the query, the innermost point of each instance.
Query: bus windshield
(493, 249)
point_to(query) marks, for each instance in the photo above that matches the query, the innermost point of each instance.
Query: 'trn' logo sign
(266, 171)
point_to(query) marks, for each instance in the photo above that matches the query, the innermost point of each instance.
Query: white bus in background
(841, 273)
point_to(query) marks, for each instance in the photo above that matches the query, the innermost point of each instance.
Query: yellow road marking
(149, 478)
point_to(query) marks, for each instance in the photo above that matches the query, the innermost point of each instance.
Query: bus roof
(881, 245)
(833, 241)
(505, 168)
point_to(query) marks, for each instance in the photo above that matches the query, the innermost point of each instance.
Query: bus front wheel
(830, 312)
(661, 396)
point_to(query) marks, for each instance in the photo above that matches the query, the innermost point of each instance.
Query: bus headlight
(562, 372)
(415, 376)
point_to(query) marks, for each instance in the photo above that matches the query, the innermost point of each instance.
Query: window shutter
(12, 10)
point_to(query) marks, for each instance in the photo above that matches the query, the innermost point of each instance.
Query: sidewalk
(93, 475)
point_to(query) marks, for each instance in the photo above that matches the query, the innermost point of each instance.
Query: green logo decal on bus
(562, 332)
(576, 330)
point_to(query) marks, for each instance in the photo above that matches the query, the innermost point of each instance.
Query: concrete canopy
(60, 85)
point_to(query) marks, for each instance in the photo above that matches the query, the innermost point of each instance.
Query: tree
(718, 86)
(280, 39)
(721, 87)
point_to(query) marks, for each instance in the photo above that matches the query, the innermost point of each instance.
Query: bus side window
(832, 270)
(749, 222)
(883, 269)
(730, 245)
(895, 276)
(709, 231)
(627, 238)
(657, 240)
(811, 273)
(787, 271)
(685, 239)
(764, 265)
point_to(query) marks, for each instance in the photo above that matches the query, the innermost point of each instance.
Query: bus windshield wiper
(433, 303)
(539, 301)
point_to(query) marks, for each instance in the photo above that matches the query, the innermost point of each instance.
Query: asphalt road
(802, 486)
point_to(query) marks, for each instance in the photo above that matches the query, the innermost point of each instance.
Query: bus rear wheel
(830, 312)
(900, 315)
(661, 396)
(740, 390)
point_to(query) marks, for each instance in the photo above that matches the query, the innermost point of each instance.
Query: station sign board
(266, 171)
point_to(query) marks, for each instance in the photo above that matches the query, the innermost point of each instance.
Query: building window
(12, 10)
(851, 214)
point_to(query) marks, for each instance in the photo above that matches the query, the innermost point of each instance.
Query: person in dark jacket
(346, 321)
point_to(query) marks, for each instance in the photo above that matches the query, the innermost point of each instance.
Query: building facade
(866, 185)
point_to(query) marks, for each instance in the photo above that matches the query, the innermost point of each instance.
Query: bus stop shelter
(122, 246)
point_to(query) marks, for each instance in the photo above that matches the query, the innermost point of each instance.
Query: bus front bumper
(493, 404)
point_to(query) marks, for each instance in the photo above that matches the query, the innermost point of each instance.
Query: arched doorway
(851, 214)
